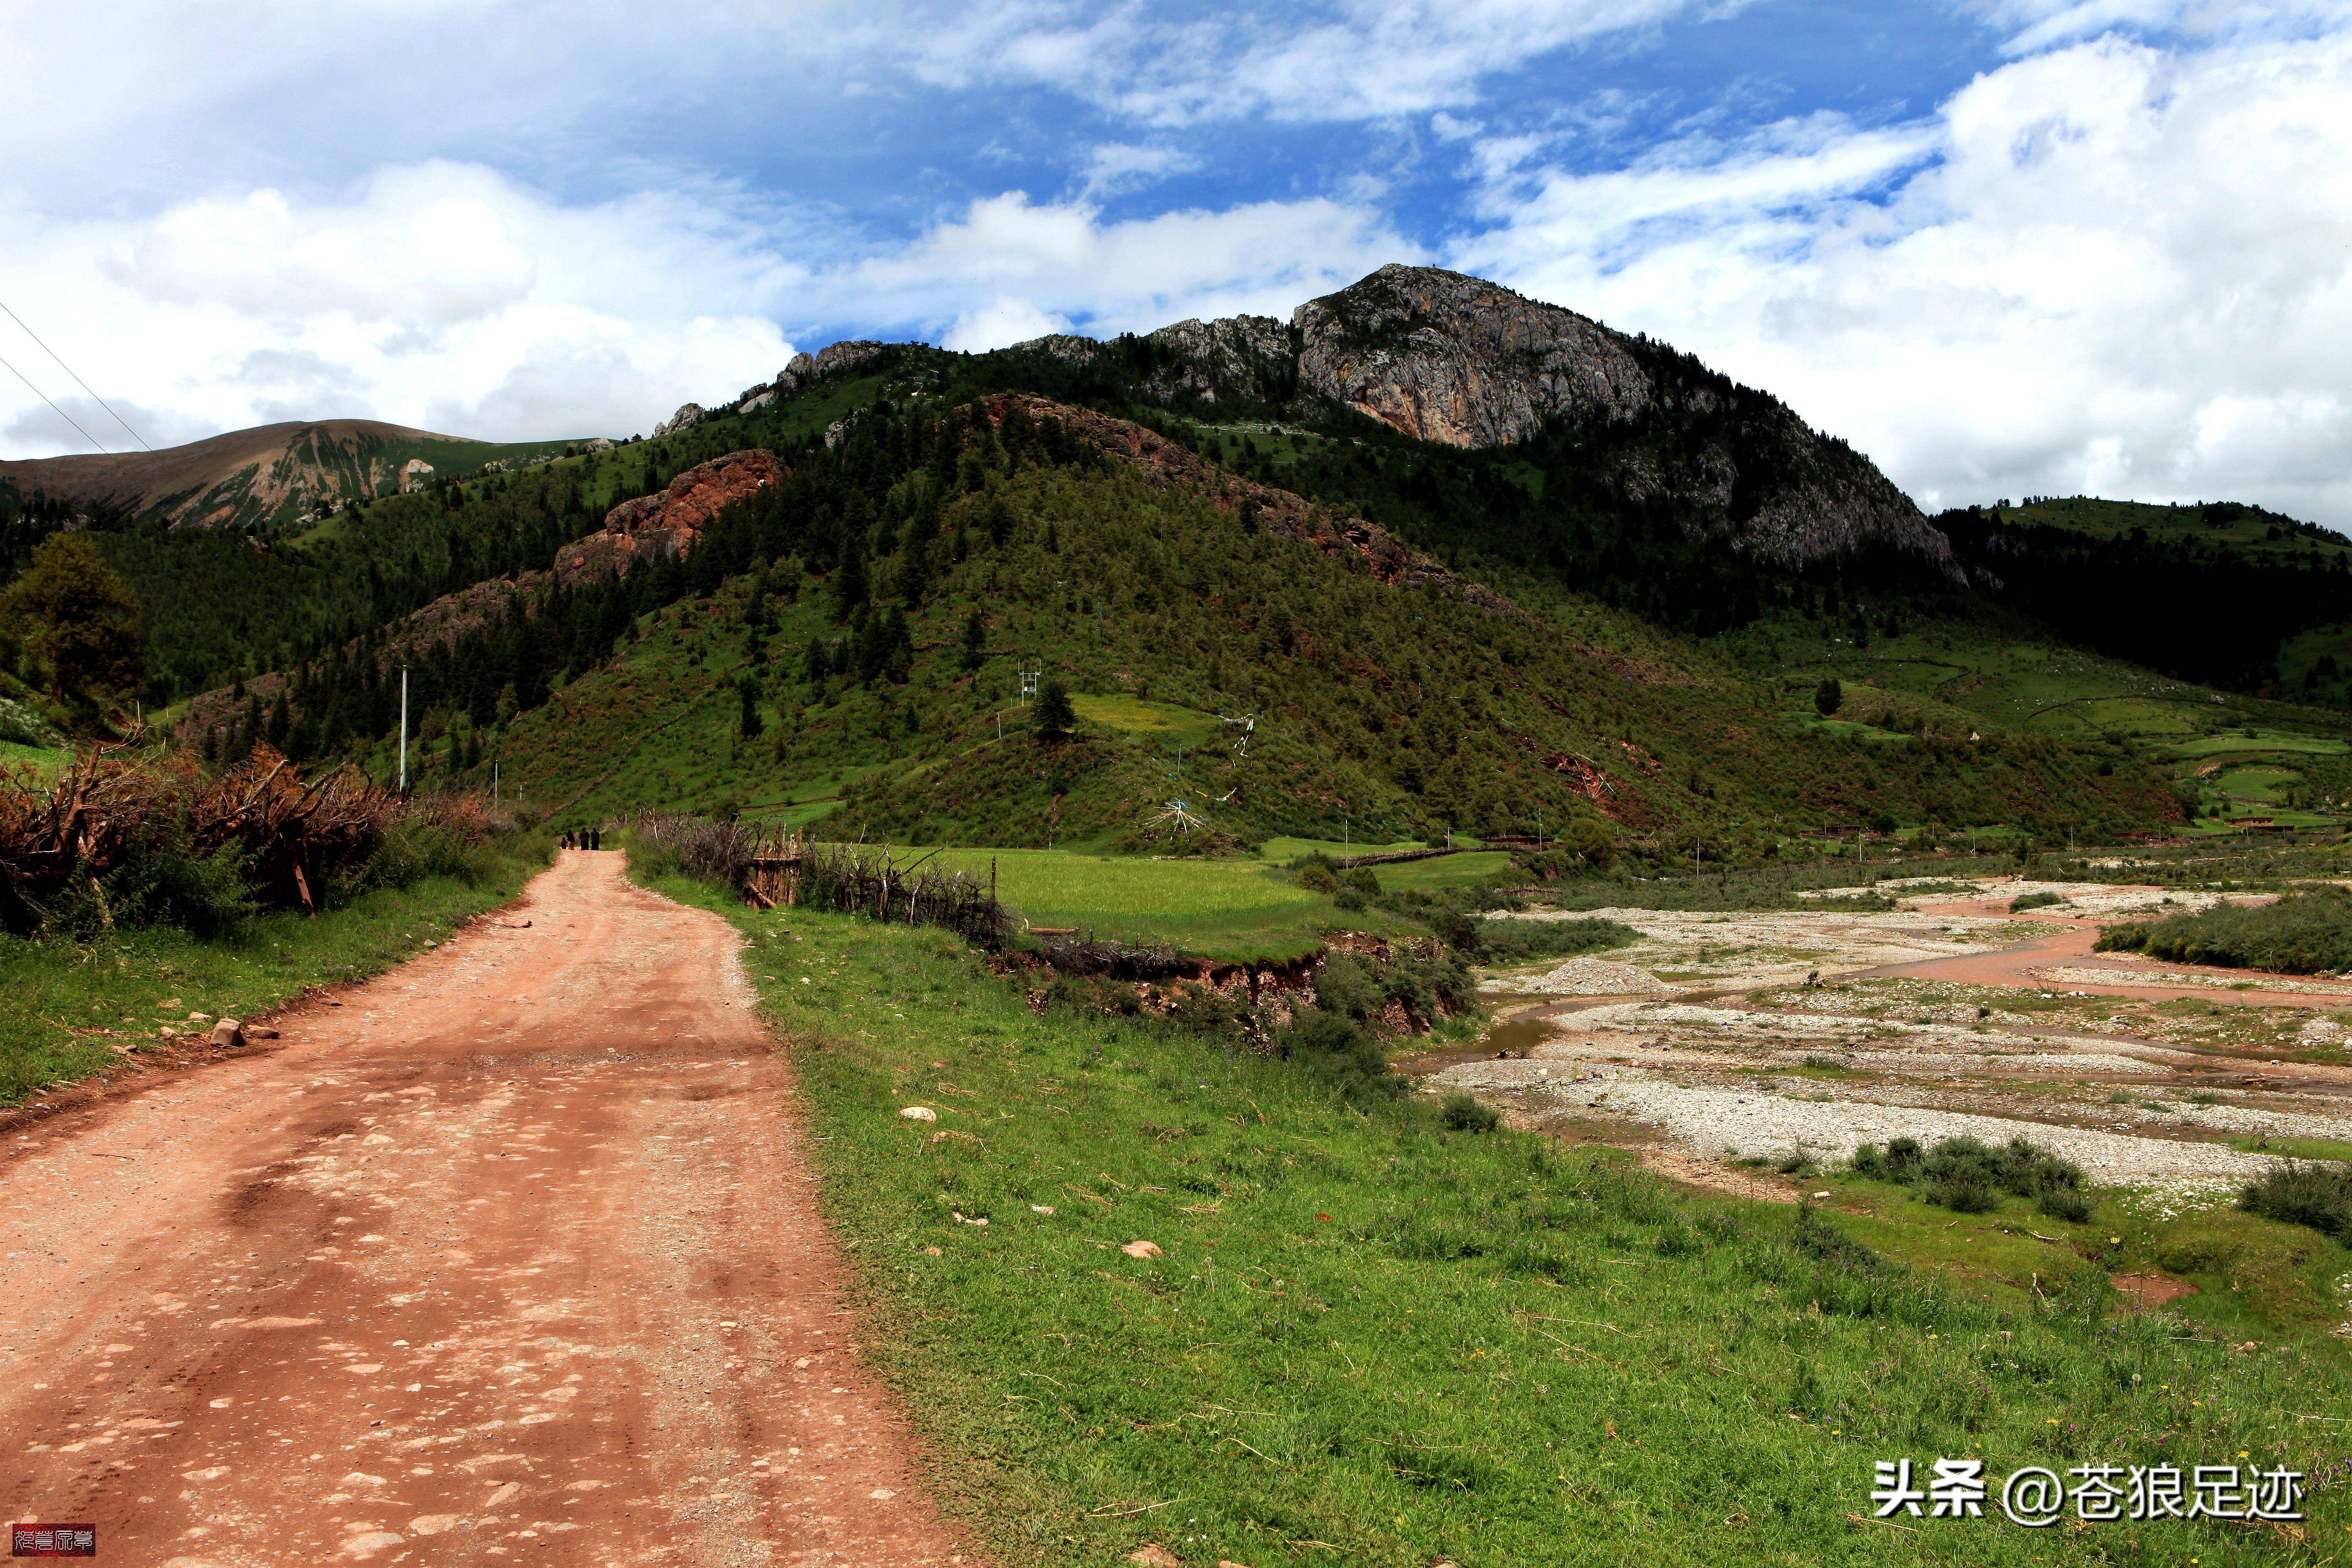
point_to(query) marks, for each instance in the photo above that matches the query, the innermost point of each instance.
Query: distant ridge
(269, 474)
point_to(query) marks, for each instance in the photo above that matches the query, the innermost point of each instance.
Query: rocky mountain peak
(1448, 357)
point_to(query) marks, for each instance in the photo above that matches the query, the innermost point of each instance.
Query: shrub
(1525, 942)
(1467, 1112)
(1342, 985)
(2033, 902)
(1341, 1051)
(2066, 1204)
(2300, 1192)
(2301, 934)
(1968, 1176)
(1317, 878)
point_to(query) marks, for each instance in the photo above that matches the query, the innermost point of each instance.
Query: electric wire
(70, 370)
(45, 397)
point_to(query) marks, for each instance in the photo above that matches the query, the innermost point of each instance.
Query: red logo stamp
(53, 1540)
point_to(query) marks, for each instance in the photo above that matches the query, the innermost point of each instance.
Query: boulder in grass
(227, 1035)
(1141, 1249)
(1151, 1554)
(919, 1113)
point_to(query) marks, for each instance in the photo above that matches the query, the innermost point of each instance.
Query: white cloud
(1061, 261)
(2122, 269)
(1336, 60)
(1001, 322)
(1116, 167)
(439, 295)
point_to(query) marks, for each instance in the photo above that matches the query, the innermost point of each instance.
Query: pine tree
(1054, 717)
(975, 641)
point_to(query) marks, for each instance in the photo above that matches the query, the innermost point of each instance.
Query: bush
(1526, 941)
(1968, 1175)
(2303, 934)
(2318, 1196)
(2033, 902)
(1467, 1112)
(1342, 985)
(1340, 1051)
(1317, 878)
(163, 881)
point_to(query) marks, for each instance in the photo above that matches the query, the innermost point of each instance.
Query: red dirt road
(512, 1257)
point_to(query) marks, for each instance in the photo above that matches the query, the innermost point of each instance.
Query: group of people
(585, 838)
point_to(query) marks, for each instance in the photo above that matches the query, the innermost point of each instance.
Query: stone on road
(514, 1256)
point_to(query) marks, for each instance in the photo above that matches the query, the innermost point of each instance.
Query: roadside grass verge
(1367, 1339)
(69, 1009)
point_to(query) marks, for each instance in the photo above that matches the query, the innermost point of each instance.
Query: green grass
(1368, 1339)
(1161, 720)
(2263, 740)
(74, 1008)
(1219, 909)
(1444, 871)
(47, 762)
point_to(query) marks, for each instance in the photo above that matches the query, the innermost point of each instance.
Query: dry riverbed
(1726, 1045)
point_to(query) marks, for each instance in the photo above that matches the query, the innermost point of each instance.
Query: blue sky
(2007, 246)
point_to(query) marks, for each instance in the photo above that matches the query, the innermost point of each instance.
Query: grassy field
(1219, 909)
(1359, 1338)
(72, 1009)
(46, 761)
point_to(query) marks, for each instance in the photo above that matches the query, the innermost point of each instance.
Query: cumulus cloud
(441, 295)
(1063, 262)
(2084, 273)
(1001, 322)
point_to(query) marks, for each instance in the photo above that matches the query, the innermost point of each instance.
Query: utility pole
(494, 781)
(403, 729)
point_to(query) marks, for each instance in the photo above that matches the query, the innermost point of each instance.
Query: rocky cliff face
(1447, 357)
(655, 527)
(1451, 358)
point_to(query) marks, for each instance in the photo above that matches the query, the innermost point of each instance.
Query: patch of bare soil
(2147, 1290)
(513, 1255)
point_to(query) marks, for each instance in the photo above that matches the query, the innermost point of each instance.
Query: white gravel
(1738, 1125)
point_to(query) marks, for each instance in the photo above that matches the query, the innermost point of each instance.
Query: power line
(44, 396)
(70, 370)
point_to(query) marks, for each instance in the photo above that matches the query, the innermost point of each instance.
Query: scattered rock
(881, 1494)
(260, 1033)
(933, 1252)
(1820, 1196)
(1153, 1555)
(227, 1035)
(433, 1523)
(1041, 1208)
(374, 1542)
(200, 1017)
(1141, 1249)
(919, 1113)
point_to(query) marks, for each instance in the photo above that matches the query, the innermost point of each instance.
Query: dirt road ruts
(513, 1257)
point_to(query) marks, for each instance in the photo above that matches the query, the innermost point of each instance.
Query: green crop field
(1219, 909)
(1444, 871)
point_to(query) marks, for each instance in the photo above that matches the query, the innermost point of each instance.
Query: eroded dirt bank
(512, 1256)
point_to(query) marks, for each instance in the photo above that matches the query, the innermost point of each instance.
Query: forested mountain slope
(858, 626)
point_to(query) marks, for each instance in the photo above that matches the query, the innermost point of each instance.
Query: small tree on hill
(1828, 697)
(975, 641)
(749, 723)
(1055, 718)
